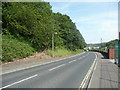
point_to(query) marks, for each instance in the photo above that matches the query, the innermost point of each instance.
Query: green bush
(13, 48)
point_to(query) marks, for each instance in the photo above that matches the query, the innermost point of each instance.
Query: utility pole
(53, 34)
(53, 45)
(101, 45)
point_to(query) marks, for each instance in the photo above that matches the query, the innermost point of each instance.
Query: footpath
(105, 74)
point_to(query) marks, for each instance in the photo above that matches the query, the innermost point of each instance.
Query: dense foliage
(12, 48)
(34, 22)
(72, 39)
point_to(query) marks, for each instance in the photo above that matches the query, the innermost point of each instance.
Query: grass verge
(63, 52)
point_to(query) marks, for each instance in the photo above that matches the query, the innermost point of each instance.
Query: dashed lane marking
(19, 81)
(56, 67)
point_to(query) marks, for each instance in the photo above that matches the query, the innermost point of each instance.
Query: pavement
(66, 73)
(105, 74)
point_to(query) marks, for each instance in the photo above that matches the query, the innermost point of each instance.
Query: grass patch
(13, 48)
(63, 52)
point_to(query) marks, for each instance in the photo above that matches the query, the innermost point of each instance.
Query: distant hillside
(95, 45)
(112, 43)
(104, 44)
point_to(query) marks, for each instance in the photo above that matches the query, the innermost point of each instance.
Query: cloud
(109, 25)
(97, 18)
(92, 25)
(102, 25)
(109, 29)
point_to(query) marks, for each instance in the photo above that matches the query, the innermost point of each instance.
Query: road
(67, 73)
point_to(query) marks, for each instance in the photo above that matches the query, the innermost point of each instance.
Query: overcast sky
(95, 20)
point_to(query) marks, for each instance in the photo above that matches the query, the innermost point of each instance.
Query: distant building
(96, 47)
(91, 47)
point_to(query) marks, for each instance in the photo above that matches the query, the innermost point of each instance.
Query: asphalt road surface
(67, 73)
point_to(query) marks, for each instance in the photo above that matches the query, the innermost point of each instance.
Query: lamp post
(119, 34)
(53, 43)
(119, 51)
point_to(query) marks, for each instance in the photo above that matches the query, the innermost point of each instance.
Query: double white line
(87, 75)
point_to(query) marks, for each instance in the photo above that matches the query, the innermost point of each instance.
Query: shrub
(13, 48)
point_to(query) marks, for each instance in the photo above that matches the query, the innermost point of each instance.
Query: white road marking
(19, 81)
(82, 57)
(43, 63)
(37, 74)
(72, 61)
(88, 74)
(93, 74)
(56, 67)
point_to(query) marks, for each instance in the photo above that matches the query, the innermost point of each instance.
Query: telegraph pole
(53, 45)
(53, 34)
(101, 45)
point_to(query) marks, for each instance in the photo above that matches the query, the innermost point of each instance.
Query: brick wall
(111, 53)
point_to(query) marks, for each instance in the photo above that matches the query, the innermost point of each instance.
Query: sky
(95, 20)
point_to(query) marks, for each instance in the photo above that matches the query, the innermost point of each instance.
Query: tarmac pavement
(105, 74)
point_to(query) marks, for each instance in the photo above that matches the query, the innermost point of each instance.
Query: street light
(119, 51)
(53, 43)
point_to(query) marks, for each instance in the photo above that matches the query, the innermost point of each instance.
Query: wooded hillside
(34, 23)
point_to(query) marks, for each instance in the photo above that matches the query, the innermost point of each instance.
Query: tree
(34, 22)
(72, 38)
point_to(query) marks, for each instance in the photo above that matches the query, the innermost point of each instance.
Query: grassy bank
(13, 48)
(63, 52)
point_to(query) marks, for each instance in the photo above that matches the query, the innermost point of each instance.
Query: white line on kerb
(56, 67)
(19, 81)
